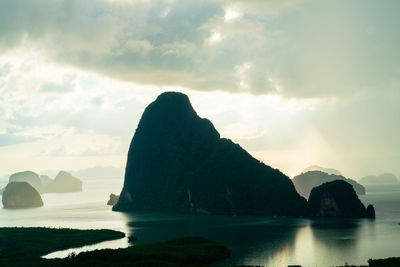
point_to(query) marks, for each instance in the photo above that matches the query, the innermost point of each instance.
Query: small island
(27, 176)
(337, 199)
(64, 182)
(21, 195)
(113, 200)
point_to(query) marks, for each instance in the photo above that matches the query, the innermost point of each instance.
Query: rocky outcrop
(370, 211)
(307, 181)
(63, 183)
(383, 179)
(113, 200)
(177, 162)
(27, 176)
(337, 199)
(19, 195)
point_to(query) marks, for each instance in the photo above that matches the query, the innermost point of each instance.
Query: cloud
(65, 86)
(297, 44)
(7, 139)
(312, 78)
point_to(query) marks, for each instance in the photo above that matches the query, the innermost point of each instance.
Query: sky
(294, 82)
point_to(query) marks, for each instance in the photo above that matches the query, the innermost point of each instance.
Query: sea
(260, 241)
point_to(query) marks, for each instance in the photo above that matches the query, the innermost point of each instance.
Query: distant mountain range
(383, 179)
(94, 172)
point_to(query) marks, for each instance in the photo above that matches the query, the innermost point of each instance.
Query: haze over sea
(264, 241)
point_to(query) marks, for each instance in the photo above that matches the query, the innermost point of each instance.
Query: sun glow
(231, 14)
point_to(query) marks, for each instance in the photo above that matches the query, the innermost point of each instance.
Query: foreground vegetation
(189, 251)
(25, 246)
(389, 262)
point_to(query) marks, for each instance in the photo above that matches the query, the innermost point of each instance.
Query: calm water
(254, 240)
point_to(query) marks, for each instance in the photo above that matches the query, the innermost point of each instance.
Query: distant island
(337, 199)
(321, 169)
(21, 195)
(27, 176)
(383, 179)
(64, 182)
(305, 182)
(24, 188)
(177, 162)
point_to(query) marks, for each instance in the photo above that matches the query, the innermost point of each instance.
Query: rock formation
(383, 179)
(63, 183)
(370, 213)
(27, 176)
(113, 200)
(337, 199)
(19, 195)
(307, 181)
(177, 162)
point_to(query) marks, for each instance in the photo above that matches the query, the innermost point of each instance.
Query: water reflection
(263, 241)
(333, 241)
(342, 233)
(253, 240)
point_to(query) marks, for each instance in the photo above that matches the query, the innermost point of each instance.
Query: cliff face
(19, 195)
(177, 162)
(305, 182)
(337, 199)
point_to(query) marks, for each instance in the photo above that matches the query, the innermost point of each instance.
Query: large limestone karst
(177, 162)
(19, 195)
(305, 182)
(64, 182)
(337, 199)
